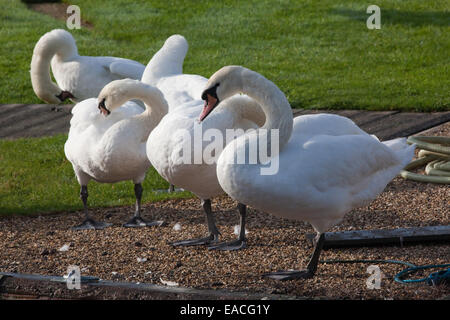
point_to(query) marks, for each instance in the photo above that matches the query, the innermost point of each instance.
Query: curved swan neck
(57, 44)
(273, 102)
(167, 61)
(156, 106)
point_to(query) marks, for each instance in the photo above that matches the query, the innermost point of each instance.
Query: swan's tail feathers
(403, 150)
(167, 61)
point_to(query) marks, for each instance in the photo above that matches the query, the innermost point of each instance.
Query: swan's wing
(86, 114)
(124, 68)
(357, 166)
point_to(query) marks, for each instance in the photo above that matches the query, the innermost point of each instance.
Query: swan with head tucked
(326, 164)
(165, 71)
(77, 77)
(173, 137)
(110, 146)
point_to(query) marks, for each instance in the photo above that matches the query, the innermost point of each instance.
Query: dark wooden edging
(36, 120)
(31, 286)
(391, 237)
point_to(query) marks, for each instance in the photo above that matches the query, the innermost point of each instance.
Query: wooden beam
(362, 238)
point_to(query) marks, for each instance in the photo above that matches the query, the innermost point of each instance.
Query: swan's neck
(60, 46)
(155, 108)
(273, 102)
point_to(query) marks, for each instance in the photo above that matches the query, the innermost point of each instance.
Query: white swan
(77, 77)
(165, 71)
(183, 93)
(327, 164)
(110, 145)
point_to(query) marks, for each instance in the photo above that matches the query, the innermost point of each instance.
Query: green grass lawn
(36, 177)
(320, 53)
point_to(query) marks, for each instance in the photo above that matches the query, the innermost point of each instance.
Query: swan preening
(110, 145)
(77, 77)
(165, 71)
(327, 164)
(173, 136)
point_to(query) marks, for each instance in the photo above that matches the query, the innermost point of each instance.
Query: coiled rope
(435, 154)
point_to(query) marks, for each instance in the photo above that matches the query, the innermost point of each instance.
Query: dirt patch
(57, 10)
(30, 245)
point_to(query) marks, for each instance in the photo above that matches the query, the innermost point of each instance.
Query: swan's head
(52, 93)
(114, 94)
(56, 42)
(223, 84)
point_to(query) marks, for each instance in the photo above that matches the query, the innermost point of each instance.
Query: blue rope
(435, 278)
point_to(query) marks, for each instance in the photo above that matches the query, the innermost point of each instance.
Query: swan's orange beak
(210, 104)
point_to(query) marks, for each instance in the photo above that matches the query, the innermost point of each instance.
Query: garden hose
(435, 154)
(433, 279)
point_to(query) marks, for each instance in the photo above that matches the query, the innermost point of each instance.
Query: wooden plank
(44, 286)
(19, 120)
(361, 238)
(34, 120)
(405, 124)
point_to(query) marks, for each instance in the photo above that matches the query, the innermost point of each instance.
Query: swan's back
(324, 123)
(100, 146)
(181, 89)
(320, 176)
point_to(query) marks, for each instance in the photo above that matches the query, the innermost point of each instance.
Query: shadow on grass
(395, 17)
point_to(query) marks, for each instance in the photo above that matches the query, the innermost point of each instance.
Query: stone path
(36, 120)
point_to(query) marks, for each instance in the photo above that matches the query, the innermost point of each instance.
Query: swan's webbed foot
(230, 246)
(240, 242)
(91, 224)
(302, 274)
(136, 222)
(290, 275)
(212, 238)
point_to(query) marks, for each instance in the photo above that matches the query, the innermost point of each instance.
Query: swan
(327, 165)
(183, 94)
(110, 146)
(77, 77)
(165, 71)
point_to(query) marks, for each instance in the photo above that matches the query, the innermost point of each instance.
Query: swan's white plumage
(327, 165)
(82, 76)
(183, 94)
(113, 148)
(165, 71)
(200, 179)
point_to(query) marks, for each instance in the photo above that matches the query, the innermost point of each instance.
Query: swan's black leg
(240, 242)
(171, 188)
(212, 229)
(88, 222)
(136, 220)
(301, 274)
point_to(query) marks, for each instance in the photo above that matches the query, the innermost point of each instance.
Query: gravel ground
(31, 245)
